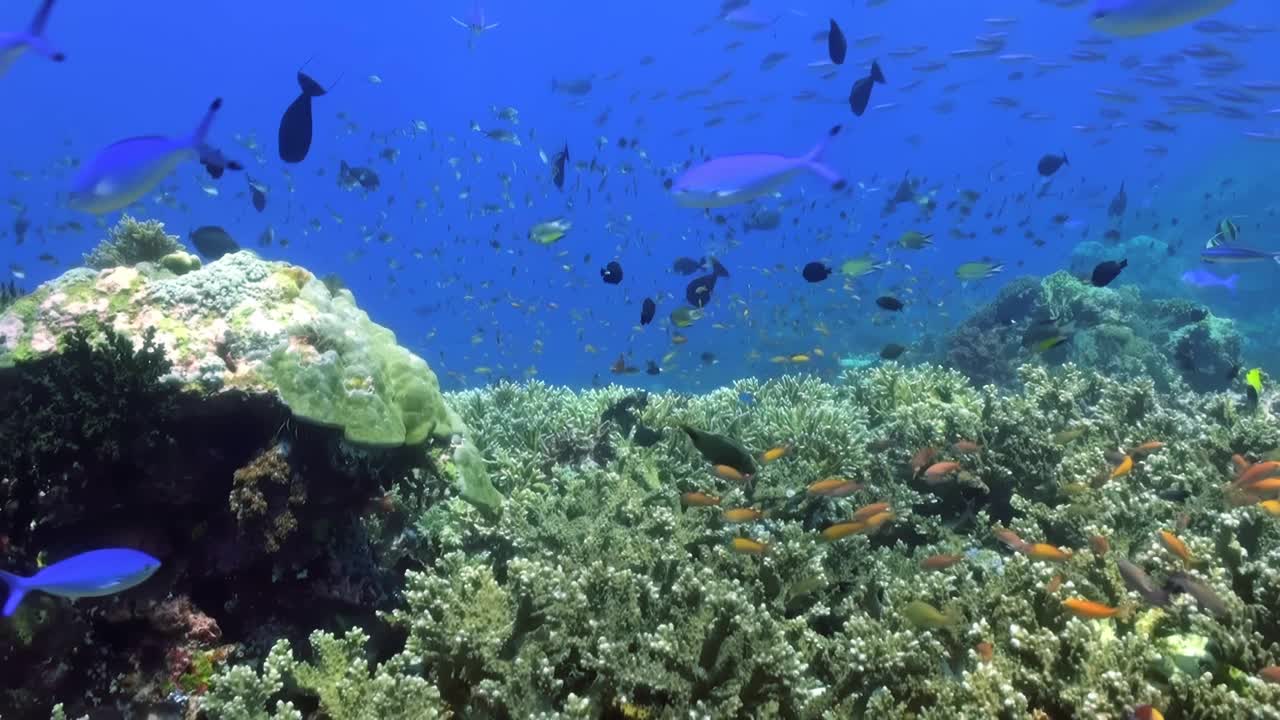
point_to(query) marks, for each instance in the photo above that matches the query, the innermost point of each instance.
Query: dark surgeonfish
(860, 95)
(125, 171)
(213, 242)
(14, 45)
(557, 167)
(721, 450)
(295, 124)
(257, 194)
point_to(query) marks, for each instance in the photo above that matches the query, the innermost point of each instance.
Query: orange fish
(1146, 449)
(874, 522)
(842, 530)
(699, 499)
(867, 511)
(1256, 472)
(775, 453)
(741, 515)
(1177, 547)
(1010, 538)
(966, 447)
(1240, 464)
(747, 546)
(1054, 584)
(941, 561)
(940, 471)
(985, 651)
(1099, 545)
(1045, 551)
(922, 459)
(1147, 712)
(833, 487)
(1271, 506)
(1091, 610)
(1270, 484)
(1126, 464)
(1271, 673)
(725, 472)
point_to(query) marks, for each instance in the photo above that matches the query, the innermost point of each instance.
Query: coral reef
(1178, 343)
(131, 242)
(598, 593)
(175, 414)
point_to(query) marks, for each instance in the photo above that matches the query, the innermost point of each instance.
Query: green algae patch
(342, 370)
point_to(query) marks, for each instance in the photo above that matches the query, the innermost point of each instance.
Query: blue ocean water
(464, 286)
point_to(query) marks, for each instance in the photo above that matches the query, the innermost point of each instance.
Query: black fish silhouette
(295, 124)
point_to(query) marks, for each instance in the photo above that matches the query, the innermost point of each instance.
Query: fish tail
(1065, 161)
(202, 130)
(877, 75)
(17, 590)
(813, 160)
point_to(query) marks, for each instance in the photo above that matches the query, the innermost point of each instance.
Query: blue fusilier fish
(89, 574)
(1131, 18)
(13, 45)
(127, 170)
(736, 179)
(1232, 254)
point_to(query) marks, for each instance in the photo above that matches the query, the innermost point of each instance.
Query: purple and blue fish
(1236, 255)
(90, 574)
(1203, 279)
(129, 169)
(14, 45)
(1131, 18)
(737, 179)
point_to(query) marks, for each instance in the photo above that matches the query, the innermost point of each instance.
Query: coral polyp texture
(620, 581)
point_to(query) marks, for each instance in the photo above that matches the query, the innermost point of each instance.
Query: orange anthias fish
(1240, 464)
(1177, 547)
(741, 515)
(966, 447)
(1146, 449)
(1099, 544)
(1047, 552)
(775, 453)
(941, 561)
(986, 651)
(833, 487)
(747, 546)
(1147, 712)
(940, 471)
(1271, 506)
(1256, 473)
(842, 530)
(1010, 539)
(1126, 464)
(1091, 610)
(1270, 673)
(922, 459)
(699, 499)
(868, 511)
(725, 472)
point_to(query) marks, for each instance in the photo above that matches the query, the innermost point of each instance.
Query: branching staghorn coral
(597, 594)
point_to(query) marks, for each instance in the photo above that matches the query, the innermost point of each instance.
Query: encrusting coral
(598, 593)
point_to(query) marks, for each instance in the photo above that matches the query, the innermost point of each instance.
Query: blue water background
(146, 66)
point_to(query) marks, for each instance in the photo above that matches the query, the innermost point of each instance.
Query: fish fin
(877, 75)
(459, 22)
(41, 18)
(17, 590)
(1065, 161)
(202, 130)
(813, 160)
